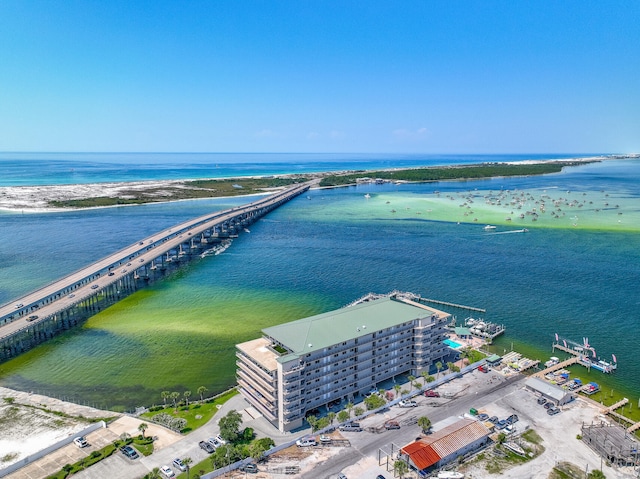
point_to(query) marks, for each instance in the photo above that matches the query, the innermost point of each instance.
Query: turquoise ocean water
(314, 254)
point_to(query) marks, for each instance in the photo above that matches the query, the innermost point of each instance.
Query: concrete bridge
(69, 301)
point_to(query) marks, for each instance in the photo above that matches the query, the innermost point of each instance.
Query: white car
(306, 441)
(167, 471)
(80, 442)
(220, 440)
(214, 442)
(407, 403)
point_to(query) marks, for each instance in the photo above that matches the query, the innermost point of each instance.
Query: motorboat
(489, 228)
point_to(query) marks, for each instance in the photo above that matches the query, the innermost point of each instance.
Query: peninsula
(92, 195)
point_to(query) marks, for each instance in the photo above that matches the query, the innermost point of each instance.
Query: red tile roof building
(447, 444)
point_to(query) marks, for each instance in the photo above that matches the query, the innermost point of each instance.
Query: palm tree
(187, 462)
(331, 416)
(142, 427)
(425, 375)
(411, 379)
(174, 396)
(201, 391)
(449, 367)
(424, 422)
(349, 407)
(397, 387)
(154, 474)
(400, 467)
(165, 395)
(186, 395)
(438, 367)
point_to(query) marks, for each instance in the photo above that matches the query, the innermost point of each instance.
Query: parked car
(548, 405)
(407, 403)
(482, 417)
(541, 400)
(167, 471)
(431, 394)
(95, 286)
(33, 317)
(325, 439)
(501, 424)
(553, 411)
(214, 442)
(130, 452)
(391, 425)
(179, 464)
(206, 446)
(341, 476)
(352, 426)
(380, 476)
(509, 429)
(80, 442)
(483, 369)
(306, 441)
(220, 440)
(251, 468)
(493, 419)
(512, 419)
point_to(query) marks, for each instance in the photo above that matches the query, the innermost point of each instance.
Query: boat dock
(555, 367)
(583, 359)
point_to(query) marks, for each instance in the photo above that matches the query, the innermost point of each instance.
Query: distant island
(96, 195)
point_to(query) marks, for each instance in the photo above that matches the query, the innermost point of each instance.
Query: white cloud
(411, 135)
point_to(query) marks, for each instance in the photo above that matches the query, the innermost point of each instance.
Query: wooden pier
(615, 406)
(555, 367)
(454, 305)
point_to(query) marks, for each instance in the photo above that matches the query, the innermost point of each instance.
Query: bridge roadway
(69, 291)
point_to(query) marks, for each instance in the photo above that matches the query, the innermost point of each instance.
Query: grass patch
(82, 464)
(144, 445)
(196, 414)
(185, 190)
(566, 470)
(532, 437)
(8, 457)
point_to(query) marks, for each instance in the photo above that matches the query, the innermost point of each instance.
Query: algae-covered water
(313, 255)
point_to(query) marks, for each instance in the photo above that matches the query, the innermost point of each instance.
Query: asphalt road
(480, 392)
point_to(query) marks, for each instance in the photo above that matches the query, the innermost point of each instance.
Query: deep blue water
(329, 247)
(21, 169)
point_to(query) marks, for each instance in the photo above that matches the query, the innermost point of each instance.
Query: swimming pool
(452, 344)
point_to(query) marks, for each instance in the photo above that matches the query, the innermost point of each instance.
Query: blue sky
(320, 76)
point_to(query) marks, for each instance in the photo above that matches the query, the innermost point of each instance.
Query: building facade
(300, 366)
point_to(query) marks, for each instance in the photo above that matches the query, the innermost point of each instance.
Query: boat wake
(524, 230)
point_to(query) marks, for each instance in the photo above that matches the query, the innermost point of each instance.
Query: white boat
(246, 230)
(489, 228)
(552, 362)
(367, 196)
(515, 448)
(450, 475)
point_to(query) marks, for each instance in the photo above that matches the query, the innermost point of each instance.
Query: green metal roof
(317, 332)
(493, 358)
(462, 331)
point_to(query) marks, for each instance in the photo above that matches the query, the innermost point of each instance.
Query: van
(391, 425)
(352, 426)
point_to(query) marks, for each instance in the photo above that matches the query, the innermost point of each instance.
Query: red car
(432, 394)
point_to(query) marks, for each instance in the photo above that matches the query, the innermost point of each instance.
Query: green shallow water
(177, 335)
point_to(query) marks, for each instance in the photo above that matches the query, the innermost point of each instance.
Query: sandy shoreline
(36, 199)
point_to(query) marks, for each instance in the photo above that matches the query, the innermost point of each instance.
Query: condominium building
(299, 366)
